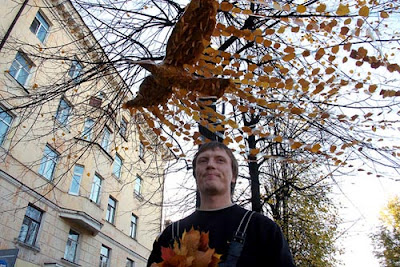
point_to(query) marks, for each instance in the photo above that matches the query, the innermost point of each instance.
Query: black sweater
(264, 245)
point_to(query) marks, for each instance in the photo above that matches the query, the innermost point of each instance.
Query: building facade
(79, 185)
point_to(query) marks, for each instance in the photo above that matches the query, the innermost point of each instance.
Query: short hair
(212, 146)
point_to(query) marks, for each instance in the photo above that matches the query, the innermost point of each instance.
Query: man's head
(215, 155)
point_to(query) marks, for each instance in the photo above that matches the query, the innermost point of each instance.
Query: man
(243, 238)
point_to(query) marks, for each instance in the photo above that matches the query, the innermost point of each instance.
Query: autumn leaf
(315, 148)
(296, 110)
(321, 8)
(192, 250)
(278, 139)
(364, 11)
(384, 15)
(301, 9)
(296, 145)
(226, 6)
(342, 10)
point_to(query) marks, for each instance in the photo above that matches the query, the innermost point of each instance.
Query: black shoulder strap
(175, 234)
(236, 245)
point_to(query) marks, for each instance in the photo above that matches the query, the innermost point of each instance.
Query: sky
(363, 197)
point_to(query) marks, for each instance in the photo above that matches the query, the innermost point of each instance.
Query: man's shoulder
(257, 218)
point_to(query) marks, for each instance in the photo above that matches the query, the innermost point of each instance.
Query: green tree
(387, 239)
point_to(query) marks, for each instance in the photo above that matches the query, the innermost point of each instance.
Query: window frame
(107, 257)
(138, 192)
(42, 22)
(141, 151)
(28, 221)
(76, 181)
(60, 112)
(6, 124)
(53, 159)
(26, 65)
(111, 210)
(75, 248)
(134, 226)
(92, 197)
(129, 263)
(123, 127)
(75, 70)
(88, 129)
(106, 139)
(117, 166)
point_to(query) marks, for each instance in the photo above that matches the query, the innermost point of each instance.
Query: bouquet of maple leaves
(192, 250)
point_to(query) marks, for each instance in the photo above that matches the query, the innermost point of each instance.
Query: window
(105, 256)
(20, 68)
(88, 129)
(76, 180)
(5, 124)
(72, 246)
(117, 166)
(138, 185)
(96, 188)
(30, 226)
(105, 140)
(133, 229)
(48, 163)
(63, 112)
(130, 263)
(123, 127)
(141, 150)
(40, 27)
(110, 215)
(75, 70)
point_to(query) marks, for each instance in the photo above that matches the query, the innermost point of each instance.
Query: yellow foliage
(321, 8)
(342, 10)
(384, 15)
(226, 6)
(278, 139)
(364, 11)
(296, 145)
(315, 148)
(301, 9)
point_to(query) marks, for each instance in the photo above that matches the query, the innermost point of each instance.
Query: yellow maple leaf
(342, 10)
(364, 11)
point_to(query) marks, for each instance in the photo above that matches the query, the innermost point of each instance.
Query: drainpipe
(3, 41)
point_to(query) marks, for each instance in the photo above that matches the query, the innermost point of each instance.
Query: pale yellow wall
(21, 159)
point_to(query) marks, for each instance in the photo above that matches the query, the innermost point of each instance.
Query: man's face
(214, 172)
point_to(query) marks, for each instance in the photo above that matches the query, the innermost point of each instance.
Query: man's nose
(211, 163)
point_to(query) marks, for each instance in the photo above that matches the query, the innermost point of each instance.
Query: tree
(286, 185)
(387, 238)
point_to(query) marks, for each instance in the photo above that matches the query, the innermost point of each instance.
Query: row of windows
(105, 255)
(50, 157)
(30, 230)
(21, 66)
(63, 115)
(96, 185)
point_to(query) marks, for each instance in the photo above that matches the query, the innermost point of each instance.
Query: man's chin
(211, 190)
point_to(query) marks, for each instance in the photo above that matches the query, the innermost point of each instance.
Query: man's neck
(214, 202)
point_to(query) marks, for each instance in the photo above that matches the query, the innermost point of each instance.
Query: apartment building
(79, 186)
